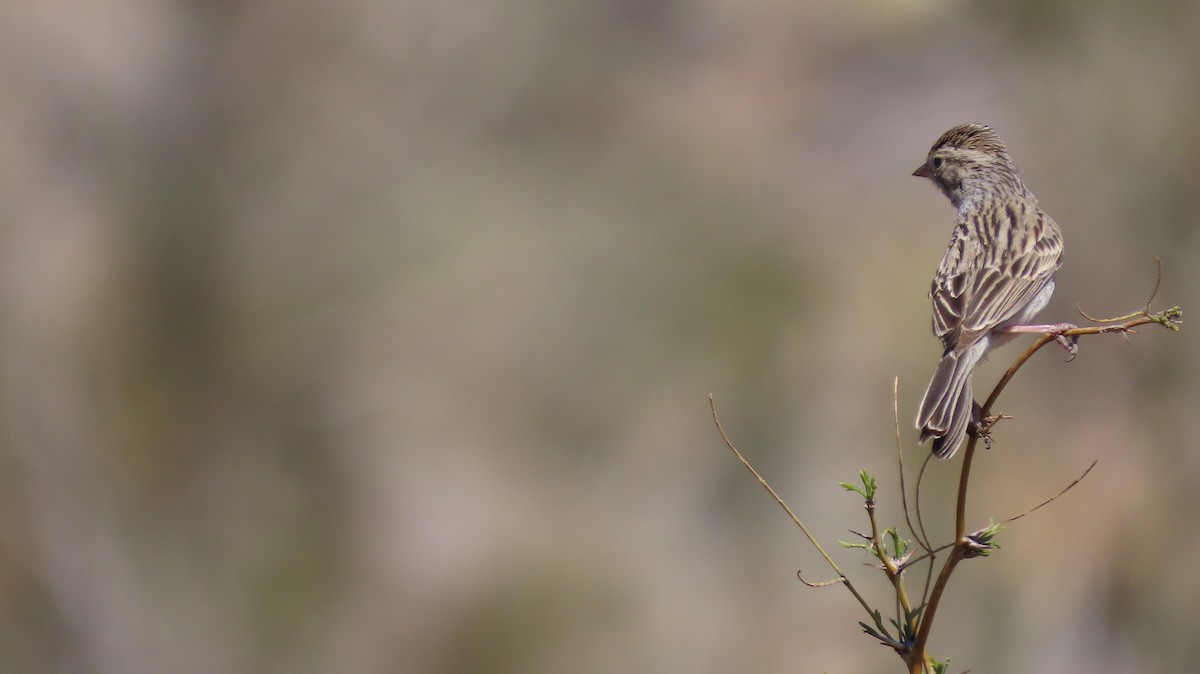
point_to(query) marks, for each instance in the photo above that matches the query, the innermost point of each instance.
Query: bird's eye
(937, 162)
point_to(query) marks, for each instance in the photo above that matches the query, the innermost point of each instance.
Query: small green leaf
(899, 544)
(909, 630)
(983, 542)
(867, 490)
(869, 630)
(868, 484)
(850, 487)
(912, 615)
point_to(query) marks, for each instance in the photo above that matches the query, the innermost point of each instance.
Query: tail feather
(945, 411)
(946, 445)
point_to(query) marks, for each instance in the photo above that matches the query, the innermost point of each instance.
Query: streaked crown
(969, 160)
(977, 137)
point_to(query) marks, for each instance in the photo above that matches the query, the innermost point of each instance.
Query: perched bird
(996, 275)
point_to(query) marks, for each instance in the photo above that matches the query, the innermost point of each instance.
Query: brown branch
(963, 546)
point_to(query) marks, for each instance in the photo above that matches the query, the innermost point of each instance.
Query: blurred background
(378, 336)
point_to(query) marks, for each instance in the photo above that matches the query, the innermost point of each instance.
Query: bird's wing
(996, 264)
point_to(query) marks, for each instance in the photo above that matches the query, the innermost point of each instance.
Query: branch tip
(1064, 490)
(1157, 283)
(824, 583)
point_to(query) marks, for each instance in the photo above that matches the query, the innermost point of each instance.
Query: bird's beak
(923, 171)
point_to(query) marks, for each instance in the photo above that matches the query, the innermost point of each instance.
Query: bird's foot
(1070, 344)
(981, 426)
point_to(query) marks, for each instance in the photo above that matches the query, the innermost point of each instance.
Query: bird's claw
(980, 427)
(1070, 343)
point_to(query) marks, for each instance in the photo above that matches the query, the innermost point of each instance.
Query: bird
(996, 274)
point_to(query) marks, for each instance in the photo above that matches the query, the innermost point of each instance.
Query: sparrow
(996, 275)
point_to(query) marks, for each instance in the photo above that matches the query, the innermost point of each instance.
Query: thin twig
(712, 404)
(1157, 284)
(1145, 308)
(1065, 489)
(824, 583)
(900, 460)
(921, 523)
(894, 574)
(931, 554)
(917, 496)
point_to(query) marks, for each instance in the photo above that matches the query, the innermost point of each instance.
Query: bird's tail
(946, 409)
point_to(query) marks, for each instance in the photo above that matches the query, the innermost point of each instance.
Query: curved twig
(1157, 285)
(920, 537)
(824, 583)
(917, 495)
(1145, 308)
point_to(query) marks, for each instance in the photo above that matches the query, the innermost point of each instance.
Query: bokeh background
(371, 336)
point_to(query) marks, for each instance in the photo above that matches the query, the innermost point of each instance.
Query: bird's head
(967, 158)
